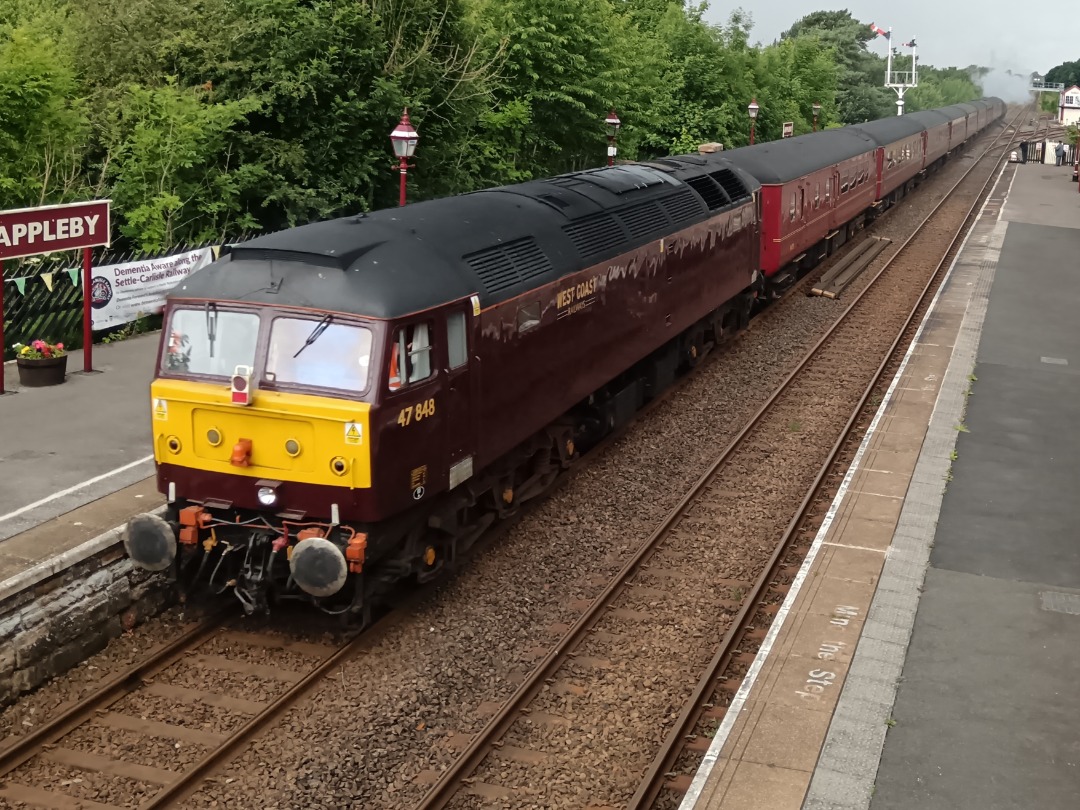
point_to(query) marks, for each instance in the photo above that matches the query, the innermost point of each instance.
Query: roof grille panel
(710, 191)
(503, 266)
(594, 235)
(682, 208)
(643, 219)
(494, 268)
(528, 258)
(731, 184)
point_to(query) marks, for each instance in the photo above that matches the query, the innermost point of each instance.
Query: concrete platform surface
(65, 446)
(987, 713)
(927, 653)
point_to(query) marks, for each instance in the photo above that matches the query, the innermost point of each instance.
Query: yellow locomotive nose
(286, 437)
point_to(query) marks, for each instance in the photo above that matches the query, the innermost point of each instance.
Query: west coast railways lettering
(576, 297)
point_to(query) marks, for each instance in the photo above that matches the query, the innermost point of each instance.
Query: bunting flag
(47, 278)
(73, 274)
(880, 31)
(217, 251)
(20, 285)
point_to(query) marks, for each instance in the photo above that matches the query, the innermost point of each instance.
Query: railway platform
(77, 458)
(928, 650)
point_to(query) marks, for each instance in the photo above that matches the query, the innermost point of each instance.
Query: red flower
(60, 346)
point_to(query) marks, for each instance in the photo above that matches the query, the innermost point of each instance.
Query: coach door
(458, 422)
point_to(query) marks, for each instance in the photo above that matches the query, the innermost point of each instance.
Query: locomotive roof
(782, 161)
(496, 243)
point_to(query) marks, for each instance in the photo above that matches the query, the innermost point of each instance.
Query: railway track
(176, 680)
(676, 589)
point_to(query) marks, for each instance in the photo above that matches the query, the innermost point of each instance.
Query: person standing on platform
(1060, 152)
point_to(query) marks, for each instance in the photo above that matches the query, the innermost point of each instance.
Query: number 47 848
(417, 412)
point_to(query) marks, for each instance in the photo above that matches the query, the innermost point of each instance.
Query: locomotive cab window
(209, 341)
(319, 353)
(410, 355)
(456, 341)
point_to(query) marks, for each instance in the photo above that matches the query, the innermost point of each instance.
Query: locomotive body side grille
(503, 266)
(710, 191)
(731, 184)
(594, 235)
(682, 208)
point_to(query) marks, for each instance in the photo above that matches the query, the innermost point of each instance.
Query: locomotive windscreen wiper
(318, 330)
(211, 324)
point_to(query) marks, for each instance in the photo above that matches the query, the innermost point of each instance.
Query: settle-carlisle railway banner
(122, 293)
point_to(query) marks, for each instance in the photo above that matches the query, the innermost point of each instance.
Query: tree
(43, 122)
(172, 168)
(861, 95)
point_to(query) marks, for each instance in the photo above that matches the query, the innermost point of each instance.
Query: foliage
(1067, 73)
(39, 350)
(860, 95)
(206, 118)
(940, 88)
(171, 167)
(43, 121)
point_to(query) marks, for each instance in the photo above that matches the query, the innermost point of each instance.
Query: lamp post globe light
(753, 110)
(404, 139)
(613, 123)
(817, 111)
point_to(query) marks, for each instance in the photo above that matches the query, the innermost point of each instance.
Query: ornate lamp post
(817, 111)
(404, 139)
(613, 123)
(753, 110)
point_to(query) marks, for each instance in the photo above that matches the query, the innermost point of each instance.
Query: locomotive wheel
(695, 350)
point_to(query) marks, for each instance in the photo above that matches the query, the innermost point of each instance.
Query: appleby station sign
(29, 231)
(50, 228)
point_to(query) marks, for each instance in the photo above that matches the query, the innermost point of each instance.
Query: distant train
(345, 404)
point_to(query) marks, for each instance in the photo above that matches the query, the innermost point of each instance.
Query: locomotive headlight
(292, 447)
(267, 492)
(213, 437)
(173, 444)
(339, 465)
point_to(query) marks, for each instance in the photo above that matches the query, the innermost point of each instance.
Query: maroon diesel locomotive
(347, 403)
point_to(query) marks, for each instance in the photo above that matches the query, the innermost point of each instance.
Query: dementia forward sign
(30, 231)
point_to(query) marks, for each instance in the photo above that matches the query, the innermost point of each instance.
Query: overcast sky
(949, 33)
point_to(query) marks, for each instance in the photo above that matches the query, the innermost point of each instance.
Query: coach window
(817, 196)
(410, 355)
(457, 347)
(791, 211)
(828, 190)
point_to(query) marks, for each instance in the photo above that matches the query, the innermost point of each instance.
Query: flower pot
(38, 373)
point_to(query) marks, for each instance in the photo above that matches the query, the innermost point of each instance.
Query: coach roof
(787, 159)
(885, 131)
